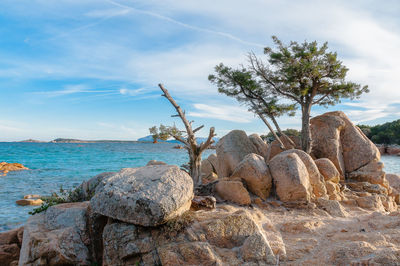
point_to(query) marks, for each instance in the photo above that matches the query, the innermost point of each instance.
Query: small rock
(203, 203)
(32, 196)
(26, 202)
(328, 170)
(154, 162)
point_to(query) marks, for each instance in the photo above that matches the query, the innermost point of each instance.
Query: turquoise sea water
(68, 164)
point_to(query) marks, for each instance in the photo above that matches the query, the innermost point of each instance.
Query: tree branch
(197, 129)
(180, 113)
(209, 140)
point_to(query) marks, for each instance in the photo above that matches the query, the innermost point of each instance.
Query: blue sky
(89, 69)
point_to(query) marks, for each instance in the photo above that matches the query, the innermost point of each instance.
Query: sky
(89, 69)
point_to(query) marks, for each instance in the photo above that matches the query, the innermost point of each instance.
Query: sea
(53, 165)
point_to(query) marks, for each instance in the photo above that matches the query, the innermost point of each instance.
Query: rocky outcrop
(26, 202)
(231, 150)
(146, 196)
(7, 167)
(255, 173)
(335, 137)
(57, 237)
(290, 177)
(259, 144)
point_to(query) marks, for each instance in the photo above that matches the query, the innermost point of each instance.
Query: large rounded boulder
(254, 171)
(147, 196)
(335, 137)
(291, 178)
(316, 179)
(231, 149)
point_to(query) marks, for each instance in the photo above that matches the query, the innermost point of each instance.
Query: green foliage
(388, 133)
(290, 132)
(244, 86)
(164, 132)
(305, 73)
(63, 196)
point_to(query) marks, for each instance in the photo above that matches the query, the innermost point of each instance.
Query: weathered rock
(154, 162)
(213, 159)
(394, 181)
(7, 167)
(328, 170)
(372, 173)
(255, 173)
(290, 177)
(209, 178)
(9, 253)
(25, 202)
(372, 202)
(231, 150)
(333, 190)
(259, 144)
(206, 167)
(315, 178)
(203, 203)
(393, 150)
(233, 191)
(87, 189)
(147, 196)
(368, 187)
(30, 196)
(10, 244)
(335, 137)
(332, 207)
(122, 242)
(274, 148)
(57, 236)
(256, 248)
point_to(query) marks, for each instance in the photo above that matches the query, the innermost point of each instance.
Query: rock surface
(255, 173)
(26, 202)
(335, 137)
(315, 178)
(147, 196)
(328, 170)
(231, 150)
(290, 177)
(259, 144)
(233, 191)
(57, 237)
(7, 167)
(10, 245)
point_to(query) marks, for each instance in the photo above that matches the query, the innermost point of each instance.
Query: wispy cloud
(186, 25)
(222, 112)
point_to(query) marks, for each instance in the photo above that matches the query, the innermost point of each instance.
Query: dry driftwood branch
(190, 142)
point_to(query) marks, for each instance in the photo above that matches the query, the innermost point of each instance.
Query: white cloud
(222, 112)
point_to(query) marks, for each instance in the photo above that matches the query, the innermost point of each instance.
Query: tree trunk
(283, 135)
(272, 131)
(305, 128)
(195, 168)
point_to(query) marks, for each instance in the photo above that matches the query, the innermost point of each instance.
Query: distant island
(144, 139)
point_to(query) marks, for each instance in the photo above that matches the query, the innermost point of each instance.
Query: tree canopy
(305, 73)
(387, 133)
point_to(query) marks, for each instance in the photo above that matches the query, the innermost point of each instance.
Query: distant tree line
(388, 133)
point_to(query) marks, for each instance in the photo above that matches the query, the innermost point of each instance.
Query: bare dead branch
(197, 129)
